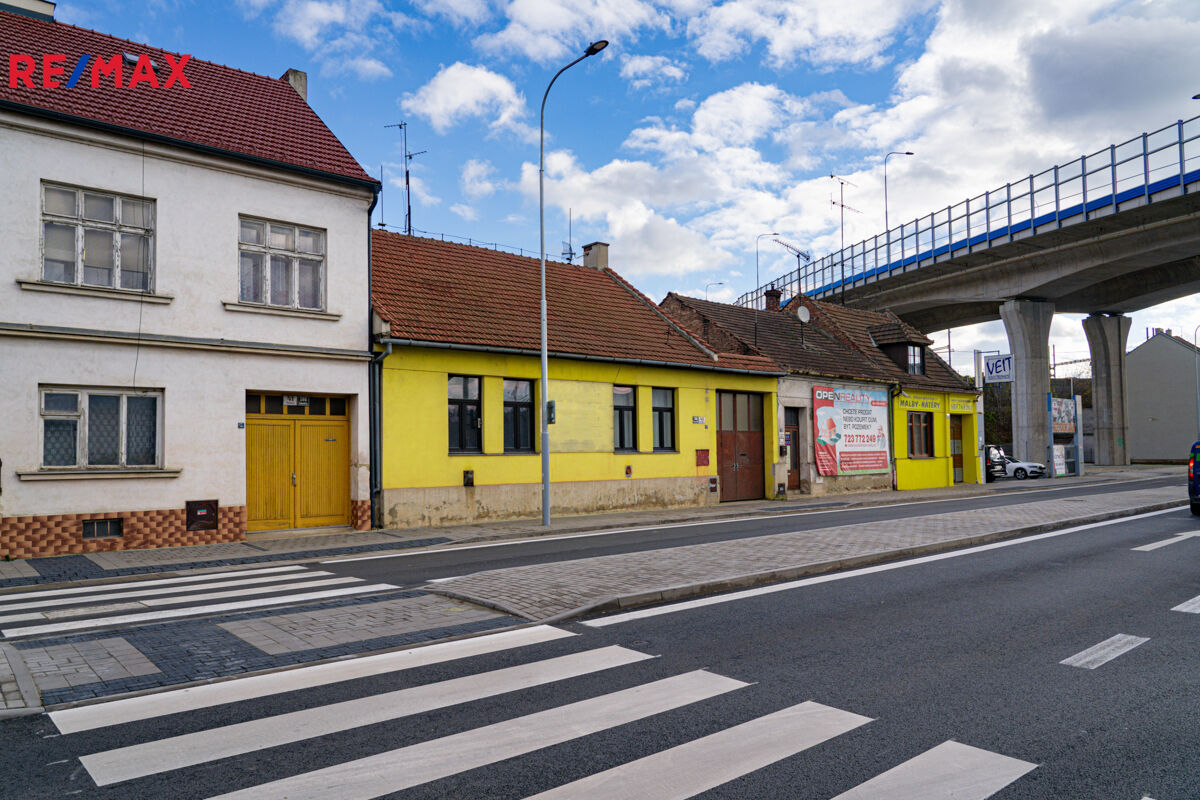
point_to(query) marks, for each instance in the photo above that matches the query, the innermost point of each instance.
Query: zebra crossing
(196, 738)
(77, 609)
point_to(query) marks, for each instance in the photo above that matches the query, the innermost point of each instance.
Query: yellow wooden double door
(297, 473)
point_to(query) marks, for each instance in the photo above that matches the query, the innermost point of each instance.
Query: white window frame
(294, 256)
(81, 429)
(79, 223)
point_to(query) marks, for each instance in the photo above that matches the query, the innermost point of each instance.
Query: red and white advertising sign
(850, 430)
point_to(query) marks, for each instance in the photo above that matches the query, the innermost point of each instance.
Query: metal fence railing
(1167, 160)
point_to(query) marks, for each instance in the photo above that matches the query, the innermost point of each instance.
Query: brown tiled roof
(433, 291)
(225, 109)
(897, 333)
(837, 341)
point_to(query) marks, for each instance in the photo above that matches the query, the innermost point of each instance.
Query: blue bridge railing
(1090, 186)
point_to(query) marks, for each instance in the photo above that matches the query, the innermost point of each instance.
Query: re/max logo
(21, 67)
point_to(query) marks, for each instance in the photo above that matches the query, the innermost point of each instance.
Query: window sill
(280, 312)
(665, 451)
(85, 474)
(94, 291)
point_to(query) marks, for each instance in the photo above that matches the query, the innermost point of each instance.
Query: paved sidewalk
(546, 591)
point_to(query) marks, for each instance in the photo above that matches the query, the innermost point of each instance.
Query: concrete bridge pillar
(1027, 323)
(1106, 335)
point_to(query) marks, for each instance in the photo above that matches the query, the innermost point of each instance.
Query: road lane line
(112, 587)
(1189, 606)
(1155, 545)
(136, 709)
(431, 760)
(702, 764)
(161, 591)
(191, 611)
(688, 605)
(177, 752)
(950, 771)
(756, 518)
(1106, 651)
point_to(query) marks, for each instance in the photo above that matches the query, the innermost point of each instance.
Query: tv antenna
(408, 157)
(841, 204)
(568, 252)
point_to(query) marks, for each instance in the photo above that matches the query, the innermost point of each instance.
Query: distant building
(184, 311)
(1162, 398)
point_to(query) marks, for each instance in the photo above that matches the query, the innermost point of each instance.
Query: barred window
(98, 239)
(100, 427)
(281, 265)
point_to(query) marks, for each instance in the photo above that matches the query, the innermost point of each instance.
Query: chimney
(299, 82)
(772, 297)
(595, 255)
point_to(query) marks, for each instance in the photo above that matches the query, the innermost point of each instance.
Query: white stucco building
(1162, 398)
(184, 309)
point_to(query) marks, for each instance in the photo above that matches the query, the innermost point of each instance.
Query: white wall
(197, 204)
(1161, 376)
(204, 399)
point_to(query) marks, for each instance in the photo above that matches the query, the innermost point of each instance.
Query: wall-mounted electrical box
(201, 515)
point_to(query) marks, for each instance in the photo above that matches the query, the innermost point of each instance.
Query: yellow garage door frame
(297, 464)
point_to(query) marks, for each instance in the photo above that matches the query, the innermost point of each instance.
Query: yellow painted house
(646, 414)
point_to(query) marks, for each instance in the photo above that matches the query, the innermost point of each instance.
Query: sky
(705, 124)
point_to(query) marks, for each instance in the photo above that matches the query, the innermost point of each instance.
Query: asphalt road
(416, 568)
(964, 649)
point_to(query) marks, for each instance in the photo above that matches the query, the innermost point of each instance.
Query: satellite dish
(802, 314)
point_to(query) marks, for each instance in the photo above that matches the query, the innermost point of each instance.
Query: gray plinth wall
(1027, 323)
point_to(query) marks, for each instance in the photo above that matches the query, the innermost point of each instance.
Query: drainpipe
(372, 406)
(893, 392)
(377, 434)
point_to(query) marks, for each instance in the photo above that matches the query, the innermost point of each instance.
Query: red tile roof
(225, 109)
(434, 291)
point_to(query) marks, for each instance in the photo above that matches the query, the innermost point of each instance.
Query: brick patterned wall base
(62, 534)
(360, 515)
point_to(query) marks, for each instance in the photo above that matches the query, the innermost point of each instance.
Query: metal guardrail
(1065, 194)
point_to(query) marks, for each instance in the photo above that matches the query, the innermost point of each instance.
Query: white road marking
(177, 752)
(755, 518)
(702, 764)
(190, 611)
(155, 602)
(1106, 651)
(136, 591)
(405, 767)
(112, 587)
(1163, 543)
(950, 771)
(1189, 606)
(688, 605)
(443, 580)
(135, 709)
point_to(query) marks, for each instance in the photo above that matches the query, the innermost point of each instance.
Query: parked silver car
(1023, 469)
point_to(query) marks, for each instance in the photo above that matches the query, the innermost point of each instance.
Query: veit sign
(998, 369)
(21, 68)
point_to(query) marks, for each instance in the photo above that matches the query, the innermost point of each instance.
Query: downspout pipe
(377, 434)
(373, 420)
(893, 392)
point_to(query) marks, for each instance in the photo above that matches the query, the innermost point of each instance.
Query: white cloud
(460, 12)
(461, 91)
(546, 31)
(367, 69)
(465, 211)
(643, 71)
(475, 178)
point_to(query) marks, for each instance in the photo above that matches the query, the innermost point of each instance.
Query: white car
(1023, 469)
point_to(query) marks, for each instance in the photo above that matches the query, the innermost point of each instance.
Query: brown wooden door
(791, 429)
(956, 446)
(740, 445)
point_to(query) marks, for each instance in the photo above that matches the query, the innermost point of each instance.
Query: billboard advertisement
(850, 430)
(1062, 414)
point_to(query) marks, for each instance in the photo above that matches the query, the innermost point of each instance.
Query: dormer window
(916, 360)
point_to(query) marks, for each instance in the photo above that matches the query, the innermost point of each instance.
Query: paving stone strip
(542, 591)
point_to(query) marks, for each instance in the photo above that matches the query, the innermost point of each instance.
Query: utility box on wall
(201, 515)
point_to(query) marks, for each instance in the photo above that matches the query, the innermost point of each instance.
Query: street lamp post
(757, 285)
(711, 283)
(886, 226)
(593, 48)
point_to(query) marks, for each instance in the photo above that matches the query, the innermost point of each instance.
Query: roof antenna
(403, 126)
(840, 203)
(568, 252)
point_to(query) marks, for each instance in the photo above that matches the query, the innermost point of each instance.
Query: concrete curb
(25, 684)
(745, 581)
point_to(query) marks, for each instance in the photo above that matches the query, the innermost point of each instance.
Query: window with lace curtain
(100, 427)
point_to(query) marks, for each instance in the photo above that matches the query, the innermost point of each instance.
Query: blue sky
(704, 124)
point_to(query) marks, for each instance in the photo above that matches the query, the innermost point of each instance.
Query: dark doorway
(791, 429)
(740, 445)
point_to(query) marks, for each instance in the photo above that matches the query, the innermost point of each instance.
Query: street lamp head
(908, 152)
(596, 47)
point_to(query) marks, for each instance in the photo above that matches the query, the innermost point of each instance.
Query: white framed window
(99, 427)
(281, 265)
(100, 239)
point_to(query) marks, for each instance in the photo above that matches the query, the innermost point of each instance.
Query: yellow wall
(415, 438)
(929, 473)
